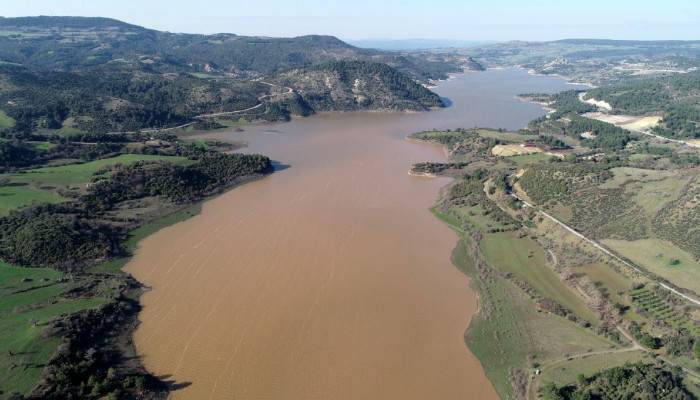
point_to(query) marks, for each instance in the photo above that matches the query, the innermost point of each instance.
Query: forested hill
(113, 100)
(675, 97)
(78, 74)
(108, 100)
(354, 85)
(73, 43)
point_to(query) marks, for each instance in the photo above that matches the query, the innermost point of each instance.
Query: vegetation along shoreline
(609, 318)
(579, 231)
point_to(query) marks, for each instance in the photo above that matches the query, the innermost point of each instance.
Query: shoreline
(433, 83)
(422, 174)
(160, 223)
(468, 311)
(472, 280)
(462, 240)
(569, 80)
(545, 106)
(118, 340)
(445, 150)
(148, 346)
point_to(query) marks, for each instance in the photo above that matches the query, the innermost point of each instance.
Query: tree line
(72, 235)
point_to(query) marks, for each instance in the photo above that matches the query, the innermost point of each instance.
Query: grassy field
(605, 274)
(43, 145)
(525, 259)
(653, 196)
(476, 217)
(510, 333)
(614, 282)
(15, 197)
(40, 185)
(509, 136)
(642, 124)
(487, 133)
(651, 189)
(566, 372)
(509, 329)
(69, 128)
(135, 236)
(624, 175)
(80, 174)
(608, 279)
(509, 150)
(526, 159)
(640, 157)
(29, 299)
(6, 121)
(658, 257)
(202, 75)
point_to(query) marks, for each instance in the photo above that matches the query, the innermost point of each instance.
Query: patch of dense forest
(93, 225)
(117, 100)
(433, 168)
(548, 182)
(113, 100)
(72, 235)
(607, 136)
(355, 85)
(677, 97)
(568, 110)
(174, 182)
(88, 364)
(469, 191)
(462, 144)
(634, 381)
(103, 75)
(17, 154)
(568, 102)
(56, 236)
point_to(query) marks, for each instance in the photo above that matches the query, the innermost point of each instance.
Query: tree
(550, 391)
(696, 348)
(649, 342)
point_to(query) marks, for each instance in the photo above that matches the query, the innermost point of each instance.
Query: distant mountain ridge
(104, 75)
(74, 43)
(619, 42)
(415, 44)
(64, 22)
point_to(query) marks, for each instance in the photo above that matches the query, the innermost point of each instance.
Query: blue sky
(392, 19)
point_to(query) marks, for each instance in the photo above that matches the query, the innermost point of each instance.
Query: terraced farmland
(658, 309)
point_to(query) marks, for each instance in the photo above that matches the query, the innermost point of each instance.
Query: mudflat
(329, 279)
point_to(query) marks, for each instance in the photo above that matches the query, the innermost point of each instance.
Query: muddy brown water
(329, 279)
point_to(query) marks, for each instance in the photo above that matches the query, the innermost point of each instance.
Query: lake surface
(329, 279)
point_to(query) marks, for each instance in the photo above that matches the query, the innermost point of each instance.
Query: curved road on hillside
(261, 102)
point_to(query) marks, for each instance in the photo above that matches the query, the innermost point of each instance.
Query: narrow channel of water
(329, 279)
